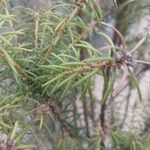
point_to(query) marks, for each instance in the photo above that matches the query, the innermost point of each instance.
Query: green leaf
(61, 84)
(67, 87)
(52, 80)
(57, 56)
(21, 146)
(109, 87)
(11, 64)
(14, 131)
(88, 47)
(109, 40)
(24, 133)
(136, 83)
(101, 58)
(6, 41)
(133, 145)
(41, 120)
(84, 78)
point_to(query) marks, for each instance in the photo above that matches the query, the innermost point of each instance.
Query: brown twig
(86, 116)
(117, 32)
(138, 45)
(103, 124)
(142, 62)
(91, 67)
(115, 2)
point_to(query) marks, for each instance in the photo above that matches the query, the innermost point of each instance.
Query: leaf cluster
(41, 57)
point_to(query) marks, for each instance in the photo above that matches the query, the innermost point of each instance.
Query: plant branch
(91, 67)
(60, 31)
(138, 45)
(117, 32)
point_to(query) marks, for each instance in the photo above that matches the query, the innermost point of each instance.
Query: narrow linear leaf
(5, 41)
(85, 88)
(54, 67)
(57, 57)
(108, 39)
(62, 83)
(133, 145)
(41, 120)
(110, 87)
(11, 64)
(98, 59)
(136, 83)
(54, 79)
(24, 133)
(67, 87)
(26, 146)
(14, 131)
(86, 77)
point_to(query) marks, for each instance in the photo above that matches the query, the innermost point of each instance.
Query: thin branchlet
(91, 67)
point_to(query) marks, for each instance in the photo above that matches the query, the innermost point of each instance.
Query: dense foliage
(47, 61)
